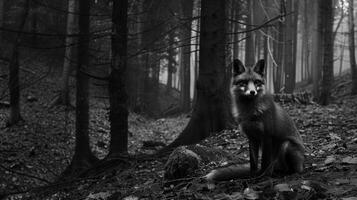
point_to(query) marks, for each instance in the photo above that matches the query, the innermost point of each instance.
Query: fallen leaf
(131, 197)
(100, 195)
(251, 194)
(341, 181)
(330, 159)
(349, 198)
(350, 160)
(283, 187)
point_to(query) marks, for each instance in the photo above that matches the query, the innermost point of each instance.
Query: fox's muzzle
(251, 89)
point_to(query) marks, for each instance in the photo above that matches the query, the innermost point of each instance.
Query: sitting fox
(267, 126)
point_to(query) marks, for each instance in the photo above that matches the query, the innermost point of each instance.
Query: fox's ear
(259, 67)
(238, 67)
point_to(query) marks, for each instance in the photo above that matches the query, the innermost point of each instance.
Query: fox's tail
(230, 172)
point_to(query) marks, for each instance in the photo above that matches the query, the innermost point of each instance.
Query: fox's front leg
(253, 156)
(267, 156)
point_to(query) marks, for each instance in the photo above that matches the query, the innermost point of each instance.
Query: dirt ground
(34, 152)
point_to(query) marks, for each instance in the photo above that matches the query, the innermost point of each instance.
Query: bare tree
(186, 10)
(316, 47)
(68, 55)
(327, 16)
(249, 42)
(1, 17)
(118, 115)
(209, 112)
(289, 52)
(14, 85)
(83, 157)
(352, 47)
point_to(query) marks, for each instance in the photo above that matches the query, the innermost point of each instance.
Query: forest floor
(34, 152)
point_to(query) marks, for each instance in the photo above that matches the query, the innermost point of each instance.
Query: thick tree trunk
(352, 47)
(14, 85)
(209, 113)
(326, 8)
(186, 10)
(118, 115)
(83, 157)
(68, 55)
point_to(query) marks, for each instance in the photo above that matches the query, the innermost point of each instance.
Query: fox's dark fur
(267, 126)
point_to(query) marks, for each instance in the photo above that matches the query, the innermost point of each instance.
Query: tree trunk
(34, 22)
(118, 115)
(289, 38)
(186, 10)
(1, 19)
(316, 49)
(279, 58)
(326, 9)
(68, 55)
(149, 95)
(235, 28)
(352, 47)
(209, 113)
(249, 42)
(83, 157)
(14, 85)
(170, 62)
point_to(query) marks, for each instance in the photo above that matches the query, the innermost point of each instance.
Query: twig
(24, 174)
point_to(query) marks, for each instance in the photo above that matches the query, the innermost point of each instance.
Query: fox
(266, 124)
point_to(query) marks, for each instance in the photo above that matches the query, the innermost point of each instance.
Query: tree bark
(209, 113)
(118, 115)
(186, 10)
(170, 62)
(326, 8)
(279, 58)
(316, 54)
(289, 38)
(14, 85)
(249, 42)
(1, 18)
(83, 157)
(68, 55)
(149, 95)
(352, 47)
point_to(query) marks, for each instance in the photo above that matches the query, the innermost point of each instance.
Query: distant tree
(209, 112)
(83, 157)
(289, 50)
(171, 62)
(1, 17)
(14, 85)
(326, 9)
(278, 55)
(352, 47)
(68, 55)
(186, 12)
(118, 115)
(316, 47)
(249, 42)
(34, 15)
(153, 26)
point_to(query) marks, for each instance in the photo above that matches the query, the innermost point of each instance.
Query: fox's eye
(258, 82)
(240, 83)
